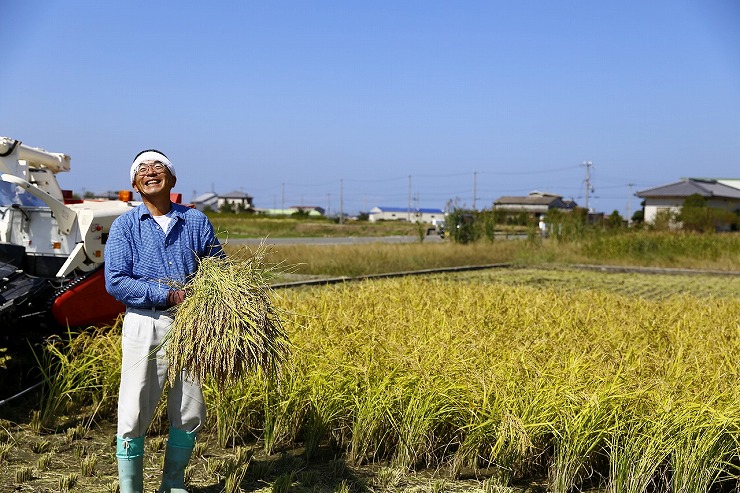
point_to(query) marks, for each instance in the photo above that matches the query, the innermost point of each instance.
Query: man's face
(153, 178)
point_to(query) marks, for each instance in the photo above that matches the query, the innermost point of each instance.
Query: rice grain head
(228, 326)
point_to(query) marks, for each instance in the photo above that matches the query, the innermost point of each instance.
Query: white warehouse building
(405, 214)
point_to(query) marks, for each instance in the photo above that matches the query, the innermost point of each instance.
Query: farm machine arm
(51, 245)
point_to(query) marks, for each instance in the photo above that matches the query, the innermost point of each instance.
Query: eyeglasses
(145, 168)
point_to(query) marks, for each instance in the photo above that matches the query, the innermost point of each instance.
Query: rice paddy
(520, 381)
(500, 380)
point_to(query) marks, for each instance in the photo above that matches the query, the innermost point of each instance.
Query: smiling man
(151, 251)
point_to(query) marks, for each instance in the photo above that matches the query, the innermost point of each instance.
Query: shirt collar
(143, 212)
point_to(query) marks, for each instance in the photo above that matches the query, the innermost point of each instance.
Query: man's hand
(175, 297)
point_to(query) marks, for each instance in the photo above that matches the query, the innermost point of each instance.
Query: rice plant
(75, 433)
(79, 451)
(81, 369)
(41, 446)
(234, 474)
(23, 474)
(88, 465)
(282, 483)
(228, 325)
(68, 482)
(5, 449)
(703, 447)
(44, 462)
(309, 479)
(638, 451)
(586, 424)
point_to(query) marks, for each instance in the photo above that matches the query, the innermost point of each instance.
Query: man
(150, 250)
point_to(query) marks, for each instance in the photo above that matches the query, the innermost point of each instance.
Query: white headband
(150, 156)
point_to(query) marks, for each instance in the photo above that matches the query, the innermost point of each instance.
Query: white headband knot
(150, 156)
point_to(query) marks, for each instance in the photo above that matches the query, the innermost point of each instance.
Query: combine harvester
(51, 245)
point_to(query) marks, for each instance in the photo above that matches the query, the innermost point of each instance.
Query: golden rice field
(588, 385)
(503, 380)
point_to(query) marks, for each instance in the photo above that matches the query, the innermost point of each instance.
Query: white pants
(144, 375)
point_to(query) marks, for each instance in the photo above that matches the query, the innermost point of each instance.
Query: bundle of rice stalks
(228, 325)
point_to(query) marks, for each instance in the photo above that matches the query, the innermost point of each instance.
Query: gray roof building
(705, 187)
(671, 197)
(536, 203)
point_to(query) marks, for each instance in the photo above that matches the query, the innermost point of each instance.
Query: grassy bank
(643, 249)
(249, 226)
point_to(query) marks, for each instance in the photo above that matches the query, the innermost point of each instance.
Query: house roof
(204, 197)
(528, 200)
(235, 195)
(406, 210)
(691, 186)
(730, 182)
(536, 198)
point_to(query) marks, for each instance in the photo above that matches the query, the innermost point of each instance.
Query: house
(405, 214)
(535, 204)
(238, 201)
(721, 194)
(310, 210)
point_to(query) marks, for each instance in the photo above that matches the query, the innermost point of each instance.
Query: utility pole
(341, 201)
(408, 209)
(588, 165)
(328, 203)
(282, 198)
(629, 205)
(475, 187)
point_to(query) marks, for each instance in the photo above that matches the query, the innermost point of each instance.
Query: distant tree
(614, 221)
(488, 223)
(499, 216)
(363, 216)
(226, 207)
(695, 215)
(664, 220)
(461, 226)
(567, 225)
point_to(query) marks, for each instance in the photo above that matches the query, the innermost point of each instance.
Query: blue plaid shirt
(142, 262)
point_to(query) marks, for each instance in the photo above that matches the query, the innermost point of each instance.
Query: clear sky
(374, 102)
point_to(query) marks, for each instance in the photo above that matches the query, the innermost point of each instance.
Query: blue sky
(375, 102)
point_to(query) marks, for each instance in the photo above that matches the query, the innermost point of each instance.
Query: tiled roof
(235, 195)
(691, 186)
(528, 200)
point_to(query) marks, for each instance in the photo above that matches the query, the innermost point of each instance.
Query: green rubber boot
(179, 449)
(130, 455)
